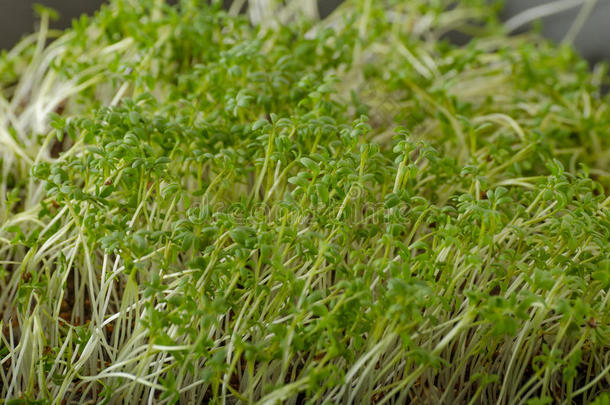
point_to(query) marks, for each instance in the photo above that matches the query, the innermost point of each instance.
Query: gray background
(17, 18)
(593, 40)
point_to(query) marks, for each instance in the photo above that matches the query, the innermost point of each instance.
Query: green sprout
(202, 206)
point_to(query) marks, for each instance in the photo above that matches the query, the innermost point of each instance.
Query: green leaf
(310, 165)
(298, 181)
(170, 190)
(106, 191)
(242, 235)
(259, 124)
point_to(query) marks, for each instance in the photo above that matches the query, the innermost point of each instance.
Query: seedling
(198, 206)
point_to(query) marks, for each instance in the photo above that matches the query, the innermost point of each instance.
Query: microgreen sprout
(202, 206)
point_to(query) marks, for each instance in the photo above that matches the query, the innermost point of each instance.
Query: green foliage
(195, 209)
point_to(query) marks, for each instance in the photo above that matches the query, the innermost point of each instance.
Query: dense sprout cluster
(199, 209)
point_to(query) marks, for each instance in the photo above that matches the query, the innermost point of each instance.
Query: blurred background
(593, 40)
